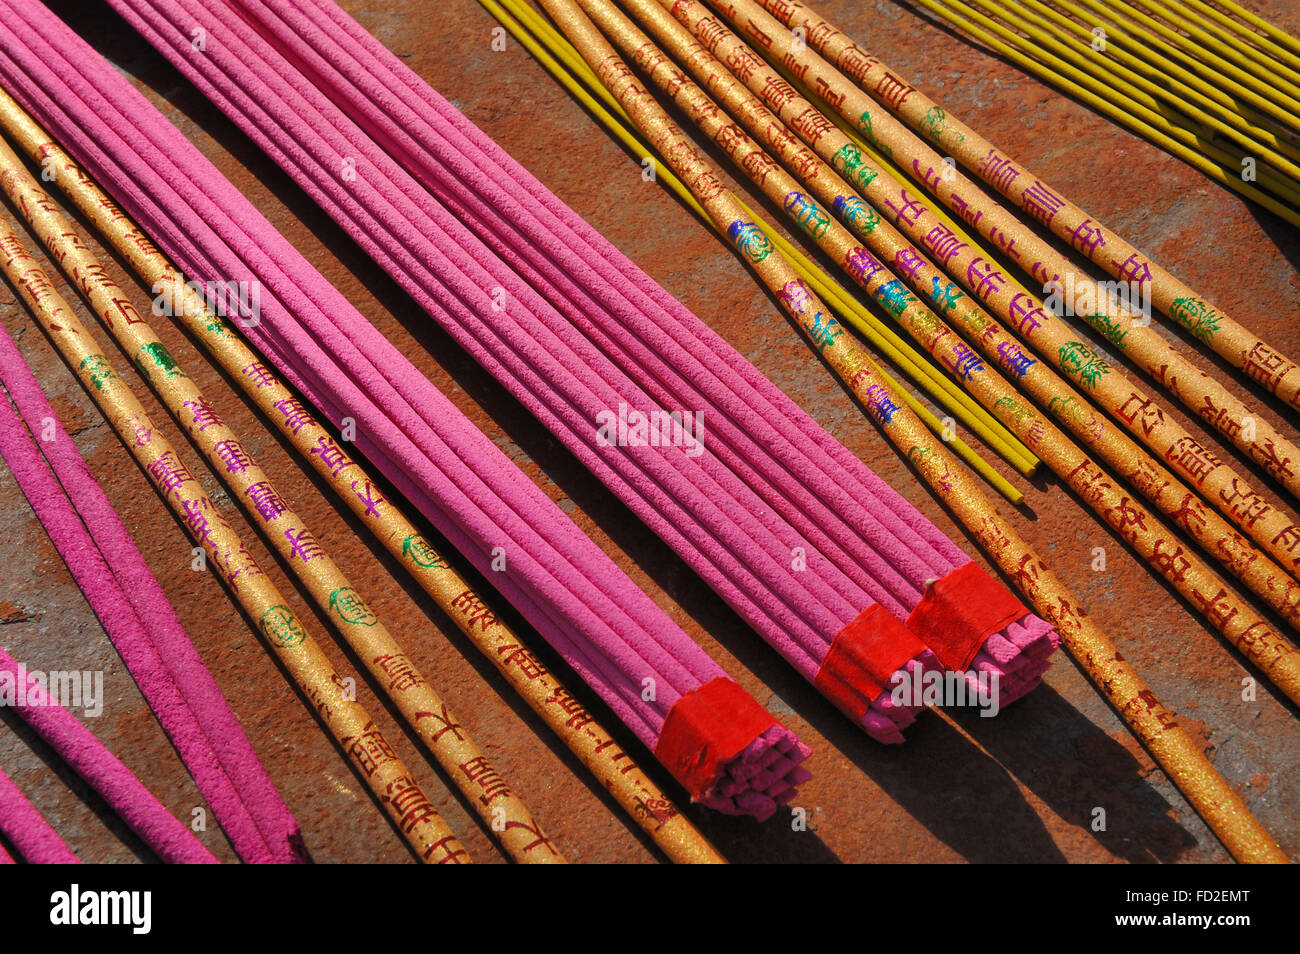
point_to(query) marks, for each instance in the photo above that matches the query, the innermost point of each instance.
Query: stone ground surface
(1022, 787)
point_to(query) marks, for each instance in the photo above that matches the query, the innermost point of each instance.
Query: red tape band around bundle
(862, 658)
(706, 729)
(959, 611)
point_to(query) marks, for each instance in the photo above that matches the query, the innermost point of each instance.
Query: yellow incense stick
(1166, 75)
(1225, 72)
(1218, 164)
(1154, 51)
(1048, 35)
(1206, 46)
(1240, 34)
(1281, 36)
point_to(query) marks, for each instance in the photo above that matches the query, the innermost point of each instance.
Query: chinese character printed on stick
(303, 545)
(943, 243)
(169, 474)
(232, 454)
(998, 171)
(1040, 202)
(984, 281)
(910, 210)
(1193, 459)
(369, 749)
(265, 500)
(296, 417)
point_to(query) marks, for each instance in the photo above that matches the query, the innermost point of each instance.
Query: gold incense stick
(545, 695)
(1154, 725)
(372, 756)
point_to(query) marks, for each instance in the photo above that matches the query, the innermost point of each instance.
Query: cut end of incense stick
(976, 627)
(892, 711)
(729, 752)
(1018, 655)
(763, 777)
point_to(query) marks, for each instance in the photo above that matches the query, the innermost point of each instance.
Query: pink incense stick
(560, 380)
(28, 831)
(406, 123)
(142, 624)
(680, 391)
(406, 131)
(409, 128)
(115, 783)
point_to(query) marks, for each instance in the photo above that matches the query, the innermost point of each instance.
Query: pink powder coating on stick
(310, 29)
(550, 252)
(404, 116)
(28, 831)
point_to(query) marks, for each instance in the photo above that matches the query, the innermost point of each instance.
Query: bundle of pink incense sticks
(140, 621)
(728, 751)
(457, 224)
(769, 484)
